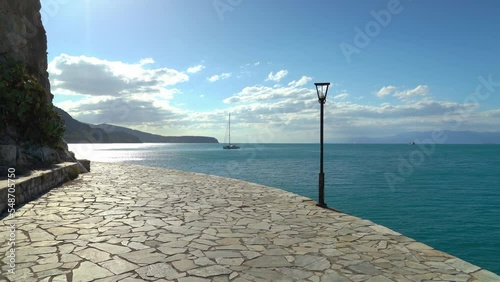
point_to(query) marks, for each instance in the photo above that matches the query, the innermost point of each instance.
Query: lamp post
(322, 91)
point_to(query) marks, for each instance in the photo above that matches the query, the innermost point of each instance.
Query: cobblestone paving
(132, 223)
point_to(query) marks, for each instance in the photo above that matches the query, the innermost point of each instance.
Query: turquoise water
(447, 196)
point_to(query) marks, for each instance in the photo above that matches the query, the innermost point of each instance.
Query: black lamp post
(322, 90)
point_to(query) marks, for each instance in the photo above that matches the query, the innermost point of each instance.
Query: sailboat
(230, 146)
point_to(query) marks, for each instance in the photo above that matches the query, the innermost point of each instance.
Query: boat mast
(229, 129)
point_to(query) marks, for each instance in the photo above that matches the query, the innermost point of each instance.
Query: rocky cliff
(23, 38)
(29, 123)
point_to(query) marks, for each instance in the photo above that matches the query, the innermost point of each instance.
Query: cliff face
(22, 37)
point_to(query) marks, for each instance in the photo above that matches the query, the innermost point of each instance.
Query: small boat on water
(230, 146)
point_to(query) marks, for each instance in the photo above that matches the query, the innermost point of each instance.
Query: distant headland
(79, 132)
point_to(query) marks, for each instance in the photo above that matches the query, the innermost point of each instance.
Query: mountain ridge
(80, 132)
(146, 137)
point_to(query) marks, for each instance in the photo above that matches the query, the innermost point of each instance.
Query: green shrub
(26, 108)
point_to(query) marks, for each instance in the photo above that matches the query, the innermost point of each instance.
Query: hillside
(153, 138)
(79, 132)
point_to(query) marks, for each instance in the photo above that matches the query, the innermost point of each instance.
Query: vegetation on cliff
(25, 107)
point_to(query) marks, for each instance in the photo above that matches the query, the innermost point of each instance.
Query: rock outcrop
(23, 39)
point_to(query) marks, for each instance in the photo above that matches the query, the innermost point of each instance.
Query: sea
(446, 196)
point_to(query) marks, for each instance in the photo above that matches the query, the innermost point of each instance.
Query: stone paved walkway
(133, 223)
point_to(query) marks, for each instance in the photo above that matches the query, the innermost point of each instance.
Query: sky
(179, 67)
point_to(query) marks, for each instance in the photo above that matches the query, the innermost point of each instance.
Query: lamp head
(322, 90)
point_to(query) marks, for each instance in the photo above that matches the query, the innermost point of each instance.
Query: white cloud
(140, 98)
(147, 61)
(342, 96)
(278, 76)
(296, 114)
(122, 111)
(421, 90)
(265, 114)
(221, 76)
(386, 90)
(195, 69)
(302, 81)
(82, 75)
(292, 111)
(70, 105)
(264, 93)
(114, 91)
(248, 69)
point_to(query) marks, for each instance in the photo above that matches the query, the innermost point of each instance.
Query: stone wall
(25, 189)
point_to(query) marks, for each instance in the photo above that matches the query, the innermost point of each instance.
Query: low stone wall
(29, 187)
